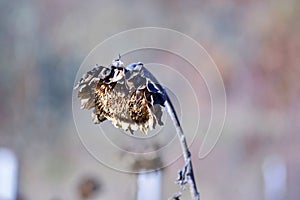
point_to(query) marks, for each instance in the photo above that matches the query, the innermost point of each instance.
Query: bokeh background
(255, 44)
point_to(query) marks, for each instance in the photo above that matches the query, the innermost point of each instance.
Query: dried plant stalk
(186, 174)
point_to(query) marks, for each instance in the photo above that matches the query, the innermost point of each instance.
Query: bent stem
(186, 174)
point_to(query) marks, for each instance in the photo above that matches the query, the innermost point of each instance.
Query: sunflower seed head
(125, 96)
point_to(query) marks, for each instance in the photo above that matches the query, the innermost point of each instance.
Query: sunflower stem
(186, 175)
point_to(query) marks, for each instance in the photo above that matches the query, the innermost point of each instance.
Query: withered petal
(128, 98)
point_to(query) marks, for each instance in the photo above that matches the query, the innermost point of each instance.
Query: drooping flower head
(128, 96)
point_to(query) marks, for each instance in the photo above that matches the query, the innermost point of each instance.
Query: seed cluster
(127, 97)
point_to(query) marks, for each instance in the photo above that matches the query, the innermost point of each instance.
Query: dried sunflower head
(127, 96)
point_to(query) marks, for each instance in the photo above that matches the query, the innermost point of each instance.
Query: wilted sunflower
(128, 96)
(132, 99)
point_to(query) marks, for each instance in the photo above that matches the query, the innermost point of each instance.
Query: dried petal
(126, 96)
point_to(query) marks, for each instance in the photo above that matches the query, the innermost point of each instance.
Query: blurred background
(255, 44)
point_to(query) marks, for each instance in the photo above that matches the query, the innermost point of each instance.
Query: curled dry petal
(126, 96)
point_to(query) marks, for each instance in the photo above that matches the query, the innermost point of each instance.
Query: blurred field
(255, 44)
